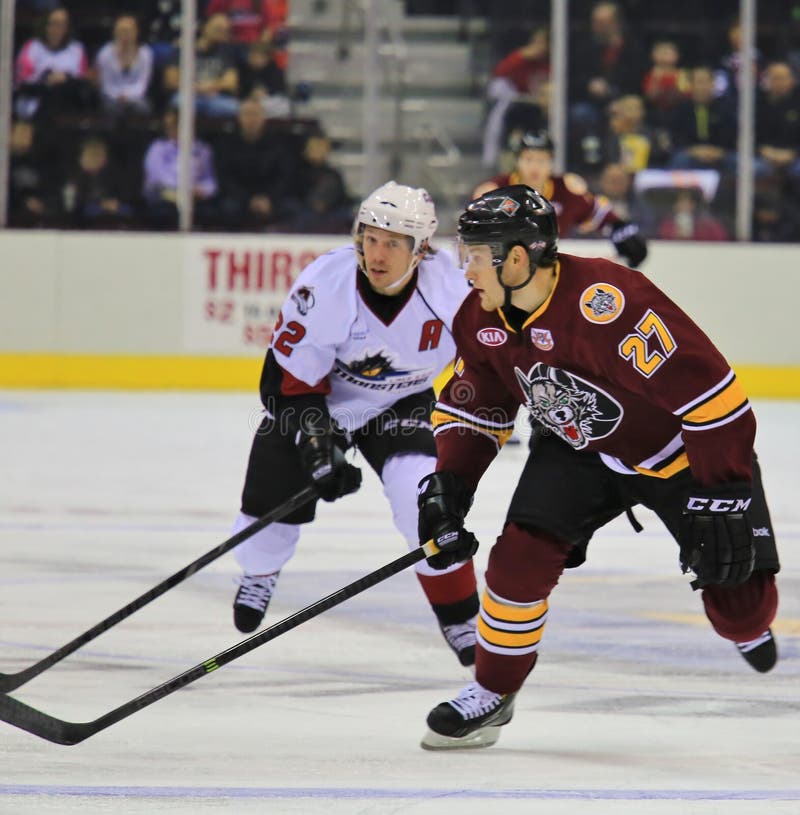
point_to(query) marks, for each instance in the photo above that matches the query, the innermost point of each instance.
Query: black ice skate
(461, 638)
(472, 719)
(252, 599)
(760, 653)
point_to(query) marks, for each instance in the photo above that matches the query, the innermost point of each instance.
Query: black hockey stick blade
(9, 682)
(59, 731)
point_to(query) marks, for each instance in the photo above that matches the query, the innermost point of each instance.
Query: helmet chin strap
(509, 290)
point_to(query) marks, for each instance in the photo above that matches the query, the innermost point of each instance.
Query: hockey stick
(59, 731)
(9, 682)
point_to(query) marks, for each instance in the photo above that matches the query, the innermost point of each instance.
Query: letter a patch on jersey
(430, 335)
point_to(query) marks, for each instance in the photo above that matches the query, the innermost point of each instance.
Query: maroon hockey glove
(716, 536)
(443, 501)
(330, 473)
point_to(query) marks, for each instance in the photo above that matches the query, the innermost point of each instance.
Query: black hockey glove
(443, 501)
(716, 536)
(323, 460)
(628, 242)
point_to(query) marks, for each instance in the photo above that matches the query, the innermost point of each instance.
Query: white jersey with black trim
(327, 330)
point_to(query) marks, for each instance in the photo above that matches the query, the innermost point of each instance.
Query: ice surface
(636, 706)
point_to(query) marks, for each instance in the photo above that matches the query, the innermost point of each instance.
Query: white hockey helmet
(398, 208)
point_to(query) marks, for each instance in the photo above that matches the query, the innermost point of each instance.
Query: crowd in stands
(95, 121)
(660, 109)
(652, 119)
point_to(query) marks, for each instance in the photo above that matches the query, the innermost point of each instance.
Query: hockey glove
(323, 460)
(443, 501)
(628, 242)
(716, 536)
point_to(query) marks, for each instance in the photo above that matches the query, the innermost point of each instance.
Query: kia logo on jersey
(492, 336)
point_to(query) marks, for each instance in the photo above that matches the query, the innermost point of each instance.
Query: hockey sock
(742, 613)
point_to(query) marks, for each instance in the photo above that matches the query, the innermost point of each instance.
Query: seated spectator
(216, 73)
(256, 172)
(604, 64)
(93, 192)
(256, 21)
(703, 127)
(32, 181)
(689, 221)
(51, 70)
(124, 69)
(666, 84)
(616, 184)
(515, 79)
(577, 208)
(161, 179)
(776, 217)
(261, 79)
(726, 78)
(628, 140)
(324, 206)
(163, 28)
(778, 125)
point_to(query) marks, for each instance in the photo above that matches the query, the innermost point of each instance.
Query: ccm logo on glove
(718, 504)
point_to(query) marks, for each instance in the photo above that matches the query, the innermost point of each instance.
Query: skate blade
(484, 737)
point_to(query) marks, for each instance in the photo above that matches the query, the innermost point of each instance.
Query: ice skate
(761, 653)
(252, 599)
(472, 719)
(461, 638)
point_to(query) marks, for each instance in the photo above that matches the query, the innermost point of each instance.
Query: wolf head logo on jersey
(602, 303)
(304, 299)
(572, 408)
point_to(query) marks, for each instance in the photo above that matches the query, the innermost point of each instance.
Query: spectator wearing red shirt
(688, 222)
(254, 21)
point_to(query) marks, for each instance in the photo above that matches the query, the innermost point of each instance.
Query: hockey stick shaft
(9, 682)
(59, 731)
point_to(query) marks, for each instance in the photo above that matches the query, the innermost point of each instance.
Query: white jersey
(327, 330)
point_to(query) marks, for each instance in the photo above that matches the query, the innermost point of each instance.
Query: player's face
(534, 167)
(387, 256)
(476, 260)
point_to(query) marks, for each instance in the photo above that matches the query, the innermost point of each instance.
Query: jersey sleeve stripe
(441, 423)
(708, 395)
(720, 421)
(488, 424)
(668, 468)
(718, 406)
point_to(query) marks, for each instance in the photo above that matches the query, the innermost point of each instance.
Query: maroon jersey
(609, 364)
(575, 208)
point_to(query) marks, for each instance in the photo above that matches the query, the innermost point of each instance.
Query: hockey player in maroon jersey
(363, 333)
(631, 404)
(576, 207)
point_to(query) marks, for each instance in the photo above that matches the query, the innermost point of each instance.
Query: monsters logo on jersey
(376, 372)
(571, 407)
(304, 299)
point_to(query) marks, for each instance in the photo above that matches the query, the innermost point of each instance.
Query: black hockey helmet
(539, 140)
(512, 216)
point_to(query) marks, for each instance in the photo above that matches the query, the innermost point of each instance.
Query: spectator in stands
(605, 64)
(703, 127)
(689, 221)
(93, 193)
(324, 206)
(216, 71)
(163, 28)
(666, 84)
(726, 78)
(256, 21)
(776, 217)
(161, 179)
(51, 71)
(616, 184)
(124, 69)
(257, 172)
(516, 79)
(578, 210)
(778, 125)
(628, 140)
(260, 78)
(33, 186)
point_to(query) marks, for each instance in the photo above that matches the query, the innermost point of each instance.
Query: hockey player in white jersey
(362, 335)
